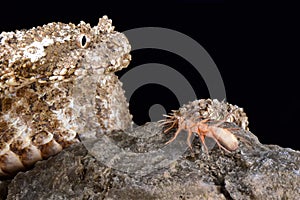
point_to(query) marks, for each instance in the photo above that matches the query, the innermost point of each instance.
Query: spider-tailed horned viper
(38, 70)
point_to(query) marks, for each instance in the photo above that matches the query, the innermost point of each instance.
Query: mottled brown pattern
(38, 70)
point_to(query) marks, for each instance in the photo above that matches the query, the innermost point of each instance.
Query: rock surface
(141, 166)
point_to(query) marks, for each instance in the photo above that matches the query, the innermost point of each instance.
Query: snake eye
(83, 41)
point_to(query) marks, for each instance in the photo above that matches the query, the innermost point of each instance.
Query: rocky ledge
(138, 165)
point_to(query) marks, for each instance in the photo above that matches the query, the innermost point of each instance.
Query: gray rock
(138, 165)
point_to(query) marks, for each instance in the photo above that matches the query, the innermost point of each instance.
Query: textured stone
(253, 171)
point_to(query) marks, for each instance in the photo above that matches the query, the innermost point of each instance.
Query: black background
(255, 47)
